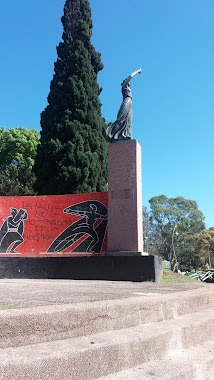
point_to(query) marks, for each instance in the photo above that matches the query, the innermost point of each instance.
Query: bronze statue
(121, 129)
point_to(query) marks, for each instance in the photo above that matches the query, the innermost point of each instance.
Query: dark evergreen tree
(72, 157)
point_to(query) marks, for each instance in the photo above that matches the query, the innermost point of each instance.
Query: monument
(125, 224)
(125, 220)
(65, 236)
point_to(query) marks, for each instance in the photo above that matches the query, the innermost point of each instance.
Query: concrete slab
(24, 293)
(62, 321)
(63, 329)
(93, 356)
(194, 363)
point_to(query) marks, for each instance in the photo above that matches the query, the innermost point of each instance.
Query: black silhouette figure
(12, 229)
(89, 212)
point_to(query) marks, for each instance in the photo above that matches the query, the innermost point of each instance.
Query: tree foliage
(175, 224)
(205, 248)
(17, 155)
(72, 157)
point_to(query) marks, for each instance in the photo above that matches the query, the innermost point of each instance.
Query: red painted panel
(54, 225)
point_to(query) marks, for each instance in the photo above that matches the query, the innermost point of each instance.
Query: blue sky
(173, 99)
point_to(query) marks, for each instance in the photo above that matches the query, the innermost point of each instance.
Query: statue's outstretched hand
(135, 72)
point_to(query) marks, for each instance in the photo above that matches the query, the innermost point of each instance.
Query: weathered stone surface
(63, 330)
(125, 227)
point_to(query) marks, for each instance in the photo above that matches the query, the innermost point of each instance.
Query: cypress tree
(72, 157)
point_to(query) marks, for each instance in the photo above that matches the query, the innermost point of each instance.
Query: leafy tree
(205, 248)
(175, 225)
(17, 154)
(151, 240)
(72, 157)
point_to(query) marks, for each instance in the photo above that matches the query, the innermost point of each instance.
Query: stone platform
(87, 330)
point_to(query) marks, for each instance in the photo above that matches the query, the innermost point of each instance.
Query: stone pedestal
(125, 224)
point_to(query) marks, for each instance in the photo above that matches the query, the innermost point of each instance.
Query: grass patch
(9, 307)
(170, 277)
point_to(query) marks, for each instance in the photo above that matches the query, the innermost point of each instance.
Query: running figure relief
(12, 230)
(121, 129)
(87, 233)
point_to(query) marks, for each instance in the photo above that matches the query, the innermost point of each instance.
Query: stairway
(149, 336)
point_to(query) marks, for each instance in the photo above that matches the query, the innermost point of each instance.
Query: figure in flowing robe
(121, 129)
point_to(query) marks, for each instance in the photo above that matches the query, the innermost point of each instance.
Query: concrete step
(196, 363)
(49, 323)
(96, 355)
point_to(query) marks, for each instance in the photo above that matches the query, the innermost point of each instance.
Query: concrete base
(113, 268)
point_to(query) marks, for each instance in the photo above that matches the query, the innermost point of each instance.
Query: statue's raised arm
(136, 72)
(127, 81)
(121, 129)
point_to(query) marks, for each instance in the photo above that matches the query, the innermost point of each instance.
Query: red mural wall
(58, 225)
